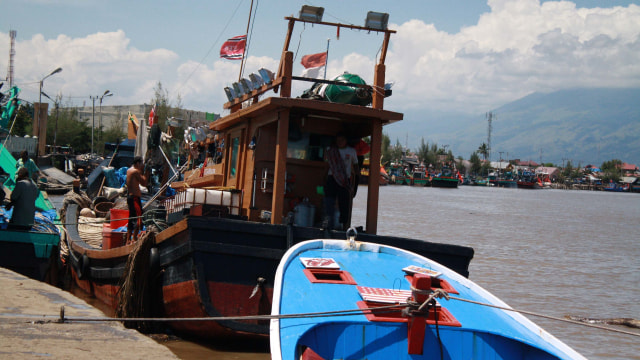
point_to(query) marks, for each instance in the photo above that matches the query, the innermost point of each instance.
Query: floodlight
(256, 80)
(267, 75)
(230, 93)
(246, 84)
(311, 13)
(376, 20)
(239, 90)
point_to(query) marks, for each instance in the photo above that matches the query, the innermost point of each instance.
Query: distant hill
(586, 126)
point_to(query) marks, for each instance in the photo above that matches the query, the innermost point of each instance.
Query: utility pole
(93, 120)
(489, 128)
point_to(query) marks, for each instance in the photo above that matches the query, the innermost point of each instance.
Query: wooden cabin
(290, 137)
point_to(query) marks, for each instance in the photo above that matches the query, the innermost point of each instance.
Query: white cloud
(519, 47)
(90, 66)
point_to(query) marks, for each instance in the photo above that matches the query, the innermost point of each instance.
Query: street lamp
(40, 104)
(93, 114)
(106, 93)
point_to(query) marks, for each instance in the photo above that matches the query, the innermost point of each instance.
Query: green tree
(397, 152)
(23, 122)
(611, 170)
(476, 164)
(423, 151)
(71, 131)
(484, 151)
(386, 148)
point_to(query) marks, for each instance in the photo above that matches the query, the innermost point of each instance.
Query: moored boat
(445, 179)
(220, 238)
(328, 293)
(528, 180)
(33, 253)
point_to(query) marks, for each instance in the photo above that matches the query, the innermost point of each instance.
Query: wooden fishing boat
(365, 172)
(529, 181)
(232, 220)
(446, 179)
(346, 299)
(420, 178)
(32, 253)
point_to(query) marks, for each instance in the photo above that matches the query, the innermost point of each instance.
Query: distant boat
(529, 181)
(326, 293)
(398, 175)
(446, 179)
(365, 172)
(420, 178)
(615, 187)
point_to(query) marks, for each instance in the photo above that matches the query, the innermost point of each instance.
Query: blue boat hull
(316, 326)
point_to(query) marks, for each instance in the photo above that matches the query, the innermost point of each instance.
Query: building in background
(116, 115)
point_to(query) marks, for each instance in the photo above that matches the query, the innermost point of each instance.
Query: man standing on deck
(23, 200)
(135, 178)
(343, 163)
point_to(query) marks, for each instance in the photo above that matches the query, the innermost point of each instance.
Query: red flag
(233, 49)
(153, 118)
(314, 60)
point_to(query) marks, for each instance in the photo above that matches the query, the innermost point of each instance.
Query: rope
(547, 316)
(389, 308)
(62, 318)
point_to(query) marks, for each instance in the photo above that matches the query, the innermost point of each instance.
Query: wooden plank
(374, 179)
(280, 168)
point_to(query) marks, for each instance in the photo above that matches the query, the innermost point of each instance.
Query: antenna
(12, 54)
(489, 128)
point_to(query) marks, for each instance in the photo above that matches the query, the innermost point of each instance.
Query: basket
(102, 209)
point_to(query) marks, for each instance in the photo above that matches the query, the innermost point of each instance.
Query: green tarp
(8, 164)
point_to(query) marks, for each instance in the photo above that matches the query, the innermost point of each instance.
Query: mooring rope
(388, 309)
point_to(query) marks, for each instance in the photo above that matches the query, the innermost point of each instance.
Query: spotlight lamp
(376, 20)
(311, 13)
(267, 75)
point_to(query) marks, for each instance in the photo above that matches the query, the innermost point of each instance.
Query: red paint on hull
(183, 300)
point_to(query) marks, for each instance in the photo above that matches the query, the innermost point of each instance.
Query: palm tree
(484, 150)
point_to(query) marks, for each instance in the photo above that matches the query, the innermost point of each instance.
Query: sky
(447, 56)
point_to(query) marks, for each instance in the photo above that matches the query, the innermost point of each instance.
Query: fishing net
(137, 296)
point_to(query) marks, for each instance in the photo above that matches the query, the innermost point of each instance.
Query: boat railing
(228, 200)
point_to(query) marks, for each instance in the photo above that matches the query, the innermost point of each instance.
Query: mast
(246, 43)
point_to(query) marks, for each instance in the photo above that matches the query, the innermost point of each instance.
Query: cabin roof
(309, 107)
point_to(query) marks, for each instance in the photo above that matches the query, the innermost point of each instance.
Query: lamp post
(106, 93)
(39, 104)
(93, 120)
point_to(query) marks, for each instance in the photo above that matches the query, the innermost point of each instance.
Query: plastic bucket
(119, 218)
(304, 214)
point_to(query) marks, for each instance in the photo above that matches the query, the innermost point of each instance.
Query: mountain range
(584, 126)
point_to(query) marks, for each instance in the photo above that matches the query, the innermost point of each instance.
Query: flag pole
(246, 42)
(326, 62)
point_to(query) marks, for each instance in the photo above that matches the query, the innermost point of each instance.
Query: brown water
(554, 252)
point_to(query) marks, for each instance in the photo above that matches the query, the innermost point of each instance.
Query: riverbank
(29, 326)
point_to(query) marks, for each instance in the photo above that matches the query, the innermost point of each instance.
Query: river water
(553, 252)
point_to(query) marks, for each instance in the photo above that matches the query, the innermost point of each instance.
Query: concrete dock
(29, 329)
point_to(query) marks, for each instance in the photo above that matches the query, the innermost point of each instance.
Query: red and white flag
(314, 65)
(153, 117)
(233, 49)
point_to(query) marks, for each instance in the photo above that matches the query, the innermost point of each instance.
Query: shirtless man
(135, 178)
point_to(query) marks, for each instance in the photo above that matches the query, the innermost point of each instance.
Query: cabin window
(308, 146)
(235, 148)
